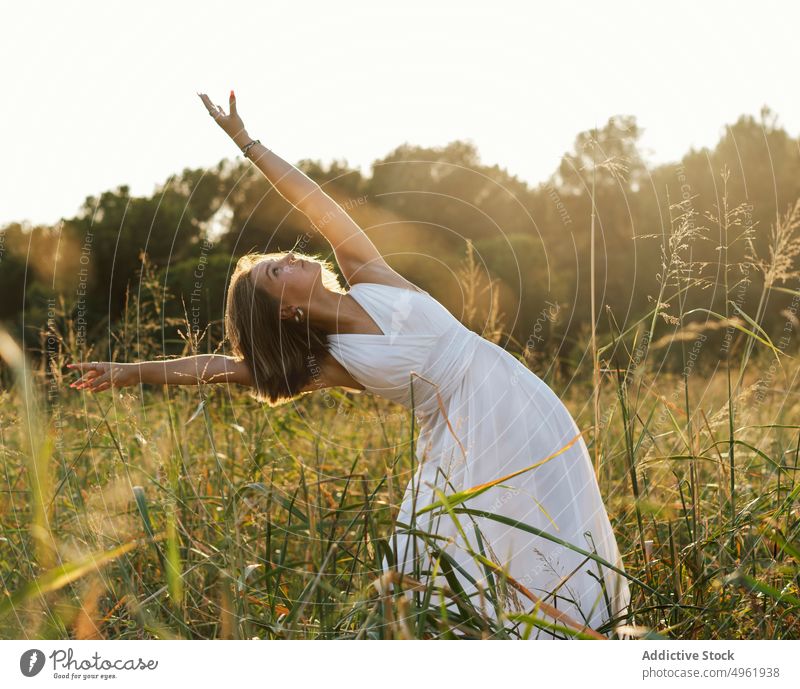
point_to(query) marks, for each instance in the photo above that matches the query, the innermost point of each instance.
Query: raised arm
(356, 255)
(189, 370)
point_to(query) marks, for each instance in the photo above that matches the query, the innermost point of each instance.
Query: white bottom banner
(355, 664)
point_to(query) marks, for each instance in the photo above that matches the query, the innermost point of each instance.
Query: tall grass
(195, 512)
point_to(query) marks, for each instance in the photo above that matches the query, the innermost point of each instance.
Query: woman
(484, 418)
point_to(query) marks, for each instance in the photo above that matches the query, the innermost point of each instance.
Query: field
(198, 513)
(195, 512)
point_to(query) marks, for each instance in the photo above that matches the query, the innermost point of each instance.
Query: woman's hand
(232, 124)
(101, 375)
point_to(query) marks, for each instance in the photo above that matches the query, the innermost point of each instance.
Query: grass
(197, 513)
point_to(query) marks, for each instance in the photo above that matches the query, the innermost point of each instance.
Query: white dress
(492, 416)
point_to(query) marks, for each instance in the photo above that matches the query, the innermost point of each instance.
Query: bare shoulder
(382, 274)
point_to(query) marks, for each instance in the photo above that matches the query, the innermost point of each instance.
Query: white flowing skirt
(503, 418)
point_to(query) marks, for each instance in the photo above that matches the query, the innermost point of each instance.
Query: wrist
(242, 138)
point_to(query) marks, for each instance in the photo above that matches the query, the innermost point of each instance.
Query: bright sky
(97, 94)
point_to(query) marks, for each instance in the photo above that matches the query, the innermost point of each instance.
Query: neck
(330, 312)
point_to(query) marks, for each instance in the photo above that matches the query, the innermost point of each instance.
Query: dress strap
(367, 302)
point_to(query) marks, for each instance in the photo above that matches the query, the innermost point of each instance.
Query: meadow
(195, 512)
(198, 513)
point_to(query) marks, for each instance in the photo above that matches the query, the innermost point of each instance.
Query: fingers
(101, 383)
(97, 383)
(87, 381)
(84, 381)
(89, 369)
(92, 372)
(206, 102)
(212, 109)
(233, 104)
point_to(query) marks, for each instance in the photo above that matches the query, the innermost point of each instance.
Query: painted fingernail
(232, 96)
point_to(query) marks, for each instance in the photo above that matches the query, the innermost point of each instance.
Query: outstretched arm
(355, 253)
(189, 370)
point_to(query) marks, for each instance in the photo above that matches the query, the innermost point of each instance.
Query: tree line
(680, 240)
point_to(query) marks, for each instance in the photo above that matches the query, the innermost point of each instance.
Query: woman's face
(289, 279)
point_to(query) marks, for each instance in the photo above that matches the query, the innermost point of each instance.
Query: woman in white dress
(542, 533)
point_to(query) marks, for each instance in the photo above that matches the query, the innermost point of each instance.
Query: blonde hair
(281, 354)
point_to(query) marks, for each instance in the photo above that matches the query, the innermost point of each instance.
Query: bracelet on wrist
(249, 145)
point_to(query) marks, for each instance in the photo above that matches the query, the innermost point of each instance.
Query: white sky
(97, 94)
